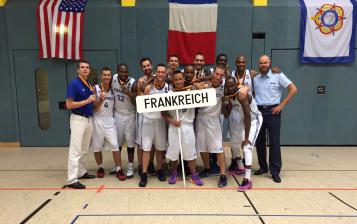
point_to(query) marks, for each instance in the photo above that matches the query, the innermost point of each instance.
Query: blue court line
(213, 215)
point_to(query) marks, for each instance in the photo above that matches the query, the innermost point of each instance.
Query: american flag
(60, 28)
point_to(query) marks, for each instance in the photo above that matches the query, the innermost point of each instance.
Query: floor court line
(177, 188)
(35, 211)
(96, 170)
(215, 215)
(250, 202)
(345, 203)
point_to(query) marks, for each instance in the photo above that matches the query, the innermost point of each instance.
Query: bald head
(264, 64)
(264, 58)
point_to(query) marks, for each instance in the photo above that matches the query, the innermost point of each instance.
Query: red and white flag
(60, 28)
(192, 29)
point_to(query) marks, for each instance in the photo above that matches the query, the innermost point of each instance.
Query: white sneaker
(130, 172)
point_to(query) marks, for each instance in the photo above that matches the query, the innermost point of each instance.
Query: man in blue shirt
(79, 100)
(268, 89)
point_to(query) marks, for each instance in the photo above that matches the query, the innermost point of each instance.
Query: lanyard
(86, 83)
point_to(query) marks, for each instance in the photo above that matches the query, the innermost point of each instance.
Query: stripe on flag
(60, 28)
(192, 29)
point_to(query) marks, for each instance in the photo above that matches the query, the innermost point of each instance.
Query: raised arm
(226, 107)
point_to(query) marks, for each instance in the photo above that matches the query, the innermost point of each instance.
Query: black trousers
(272, 124)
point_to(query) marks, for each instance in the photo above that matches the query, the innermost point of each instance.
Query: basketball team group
(104, 116)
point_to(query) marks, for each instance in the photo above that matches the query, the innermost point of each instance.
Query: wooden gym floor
(319, 185)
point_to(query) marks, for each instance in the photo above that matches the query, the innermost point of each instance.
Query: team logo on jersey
(329, 18)
(83, 90)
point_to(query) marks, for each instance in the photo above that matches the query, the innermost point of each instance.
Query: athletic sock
(100, 165)
(118, 168)
(248, 172)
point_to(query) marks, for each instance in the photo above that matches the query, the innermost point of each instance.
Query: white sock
(100, 165)
(240, 164)
(118, 168)
(248, 172)
(130, 165)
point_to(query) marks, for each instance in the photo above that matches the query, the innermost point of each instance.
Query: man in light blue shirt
(268, 89)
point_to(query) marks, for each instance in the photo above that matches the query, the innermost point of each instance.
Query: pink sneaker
(246, 185)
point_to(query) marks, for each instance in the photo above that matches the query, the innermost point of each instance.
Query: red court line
(102, 187)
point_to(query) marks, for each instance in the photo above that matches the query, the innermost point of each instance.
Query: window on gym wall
(43, 104)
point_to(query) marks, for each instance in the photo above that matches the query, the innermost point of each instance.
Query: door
(40, 85)
(97, 59)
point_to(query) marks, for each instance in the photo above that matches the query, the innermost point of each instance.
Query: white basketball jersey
(247, 80)
(237, 107)
(235, 116)
(123, 104)
(154, 90)
(185, 115)
(216, 110)
(106, 108)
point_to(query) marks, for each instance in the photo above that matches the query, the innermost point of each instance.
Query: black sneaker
(87, 176)
(161, 175)
(151, 168)
(233, 167)
(222, 180)
(205, 173)
(76, 185)
(143, 180)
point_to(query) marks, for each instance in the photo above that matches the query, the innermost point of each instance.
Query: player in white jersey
(153, 127)
(221, 59)
(245, 122)
(184, 123)
(124, 88)
(244, 78)
(104, 132)
(208, 128)
(146, 67)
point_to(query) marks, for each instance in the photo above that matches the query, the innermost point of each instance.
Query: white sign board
(176, 100)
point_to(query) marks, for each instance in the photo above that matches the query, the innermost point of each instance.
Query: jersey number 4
(106, 105)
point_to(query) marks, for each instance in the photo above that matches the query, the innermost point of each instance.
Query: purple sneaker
(196, 179)
(173, 178)
(246, 185)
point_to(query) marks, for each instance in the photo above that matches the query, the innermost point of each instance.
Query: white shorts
(238, 133)
(125, 128)
(153, 133)
(104, 134)
(188, 142)
(208, 134)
